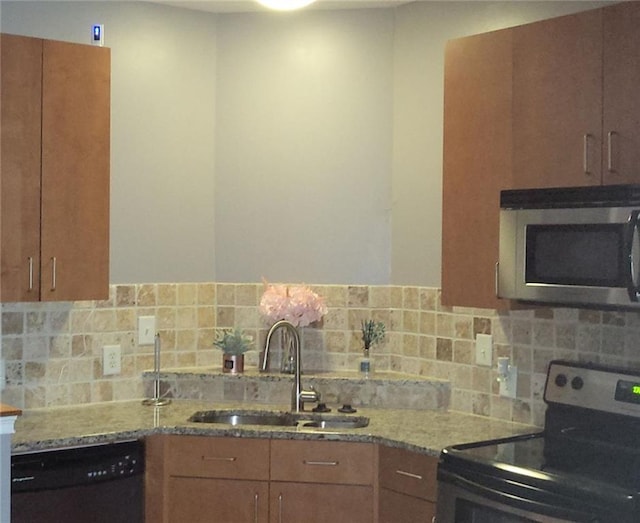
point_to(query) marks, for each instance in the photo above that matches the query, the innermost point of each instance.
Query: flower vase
(232, 363)
(287, 344)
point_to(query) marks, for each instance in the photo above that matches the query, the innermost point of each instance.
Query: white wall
(321, 131)
(303, 146)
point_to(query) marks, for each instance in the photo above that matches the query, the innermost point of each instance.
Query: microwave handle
(633, 289)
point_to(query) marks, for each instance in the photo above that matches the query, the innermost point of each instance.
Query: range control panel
(593, 386)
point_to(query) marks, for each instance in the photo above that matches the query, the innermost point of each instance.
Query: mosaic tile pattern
(54, 350)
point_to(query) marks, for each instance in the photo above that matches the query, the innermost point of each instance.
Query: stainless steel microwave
(575, 246)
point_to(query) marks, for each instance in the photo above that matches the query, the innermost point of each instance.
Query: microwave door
(581, 257)
(632, 245)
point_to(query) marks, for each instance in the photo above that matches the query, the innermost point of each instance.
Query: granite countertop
(425, 431)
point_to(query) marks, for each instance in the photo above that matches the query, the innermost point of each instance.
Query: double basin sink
(280, 419)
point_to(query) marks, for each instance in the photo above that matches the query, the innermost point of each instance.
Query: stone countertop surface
(424, 431)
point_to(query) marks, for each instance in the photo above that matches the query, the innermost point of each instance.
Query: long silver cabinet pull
(610, 151)
(255, 508)
(30, 273)
(216, 458)
(409, 474)
(53, 273)
(585, 154)
(322, 463)
(280, 508)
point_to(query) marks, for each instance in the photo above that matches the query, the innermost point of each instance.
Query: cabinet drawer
(207, 457)
(322, 462)
(408, 472)
(400, 508)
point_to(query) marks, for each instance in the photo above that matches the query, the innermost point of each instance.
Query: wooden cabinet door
(401, 508)
(477, 165)
(557, 102)
(320, 503)
(75, 171)
(20, 130)
(209, 500)
(621, 118)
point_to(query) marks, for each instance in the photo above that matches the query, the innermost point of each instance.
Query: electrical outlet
(484, 349)
(509, 385)
(146, 330)
(111, 360)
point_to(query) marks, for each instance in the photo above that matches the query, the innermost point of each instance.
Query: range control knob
(561, 380)
(577, 383)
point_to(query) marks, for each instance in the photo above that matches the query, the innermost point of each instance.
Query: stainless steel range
(584, 466)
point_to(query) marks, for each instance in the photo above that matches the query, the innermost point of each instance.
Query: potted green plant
(372, 333)
(233, 344)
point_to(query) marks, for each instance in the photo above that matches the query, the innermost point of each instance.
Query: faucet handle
(310, 395)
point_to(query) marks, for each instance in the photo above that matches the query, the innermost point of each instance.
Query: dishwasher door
(101, 483)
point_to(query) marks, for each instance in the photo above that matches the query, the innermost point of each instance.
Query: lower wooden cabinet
(408, 486)
(207, 500)
(322, 482)
(206, 479)
(198, 479)
(320, 503)
(401, 508)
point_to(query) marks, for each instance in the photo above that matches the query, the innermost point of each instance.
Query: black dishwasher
(98, 483)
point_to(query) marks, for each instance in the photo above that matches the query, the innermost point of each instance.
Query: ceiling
(239, 6)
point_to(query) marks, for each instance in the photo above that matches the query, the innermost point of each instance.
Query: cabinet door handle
(610, 151)
(30, 272)
(53, 273)
(409, 474)
(255, 508)
(585, 154)
(280, 508)
(322, 463)
(216, 458)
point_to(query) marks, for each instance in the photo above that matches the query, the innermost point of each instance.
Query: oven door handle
(633, 289)
(512, 499)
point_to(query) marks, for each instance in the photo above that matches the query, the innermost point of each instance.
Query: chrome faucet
(298, 395)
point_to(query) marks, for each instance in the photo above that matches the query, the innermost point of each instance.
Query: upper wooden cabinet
(621, 75)
(54, 176)
(477, 161)
(575, 111)
(547, 104)
(557, 102)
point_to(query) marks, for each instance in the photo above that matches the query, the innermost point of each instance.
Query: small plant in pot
(233, 344)
(372, 333)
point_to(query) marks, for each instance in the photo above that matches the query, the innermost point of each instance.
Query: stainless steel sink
(337, 423)
(281, 419)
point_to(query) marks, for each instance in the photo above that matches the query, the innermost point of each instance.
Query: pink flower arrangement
(297, 304)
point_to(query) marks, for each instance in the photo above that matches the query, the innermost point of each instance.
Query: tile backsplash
(53, 351)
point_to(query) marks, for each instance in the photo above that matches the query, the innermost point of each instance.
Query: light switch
(146, 330)
(484, 349)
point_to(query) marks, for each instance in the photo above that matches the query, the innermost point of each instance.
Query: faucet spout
(298, 395)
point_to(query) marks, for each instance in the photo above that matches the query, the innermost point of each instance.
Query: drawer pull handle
(215, 458)
(280, 508)
(255, 508)
(322, 463)
(585, 154)
(54, 264)
(409, 475)
(30, 259)
(610, 166)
